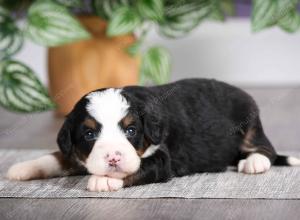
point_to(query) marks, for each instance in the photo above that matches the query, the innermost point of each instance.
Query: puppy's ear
(153, 127)
(64, 139)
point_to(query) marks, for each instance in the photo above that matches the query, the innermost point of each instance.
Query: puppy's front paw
(104, 184)
(25, 171)
(255, 163)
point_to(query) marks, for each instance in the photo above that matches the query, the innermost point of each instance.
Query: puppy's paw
(255, 163)
(27, 170)
(104, 184)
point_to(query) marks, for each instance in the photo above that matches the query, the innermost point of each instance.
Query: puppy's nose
(114, 158)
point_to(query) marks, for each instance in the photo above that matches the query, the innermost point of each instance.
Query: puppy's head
(109, 133)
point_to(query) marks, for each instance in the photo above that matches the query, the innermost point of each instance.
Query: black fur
(64, 137)
(201, 125)
(70, 137)
(205, 123)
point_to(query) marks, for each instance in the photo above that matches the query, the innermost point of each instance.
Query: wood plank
(25, 131)
(148, 209)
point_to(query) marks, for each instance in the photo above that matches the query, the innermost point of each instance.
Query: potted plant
(65, 27)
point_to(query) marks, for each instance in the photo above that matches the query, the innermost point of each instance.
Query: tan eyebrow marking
(142, 150)
(127, 120)
(91, 123)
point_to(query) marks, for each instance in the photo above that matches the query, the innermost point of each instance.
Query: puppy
(139, 135)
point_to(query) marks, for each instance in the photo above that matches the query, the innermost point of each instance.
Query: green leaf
(156, 65)
(151, 9)
(70, 3)
(20, 90)
(106, 8)
(216, 11)
(124, 21)
(228, 7)
(267, 13)
(263, 14)
(134, 48)
(50, 24)
(290, 22)
(285, 6)
(11, 39)
(183, 17)
(220, 8)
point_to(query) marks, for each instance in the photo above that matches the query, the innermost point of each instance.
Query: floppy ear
(153, 127)
(64, 140)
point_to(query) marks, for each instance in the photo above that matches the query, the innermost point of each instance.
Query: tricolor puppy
(138, 135)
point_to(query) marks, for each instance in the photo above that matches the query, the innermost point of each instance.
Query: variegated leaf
(267, 13)
(182, 18)
(124, 21)
(20, 89)
(151, 9)
(106, 8)
(11, 39)
(156, 65)
(50, 24)
(290, 22)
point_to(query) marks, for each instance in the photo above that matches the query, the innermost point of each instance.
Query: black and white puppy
(138, 135)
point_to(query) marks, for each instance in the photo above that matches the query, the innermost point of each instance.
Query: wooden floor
(131, 209)
(280, 110)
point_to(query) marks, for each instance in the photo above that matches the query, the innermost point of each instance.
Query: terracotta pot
(78, 68)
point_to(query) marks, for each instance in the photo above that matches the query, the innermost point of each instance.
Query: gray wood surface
(280, 115)
(148, 209)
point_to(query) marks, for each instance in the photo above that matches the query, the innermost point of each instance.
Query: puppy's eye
(90, 135)
(130, 131)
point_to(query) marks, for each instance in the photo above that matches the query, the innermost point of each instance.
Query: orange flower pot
(78, 68)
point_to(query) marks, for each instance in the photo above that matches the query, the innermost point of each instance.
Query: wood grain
(148, 209)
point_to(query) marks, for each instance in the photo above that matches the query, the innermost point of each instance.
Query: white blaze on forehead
(107, 105)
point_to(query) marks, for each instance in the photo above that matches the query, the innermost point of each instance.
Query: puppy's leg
(154, 168)
(47, 166)
(104, 184)
(254, 163)
(257, 150)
